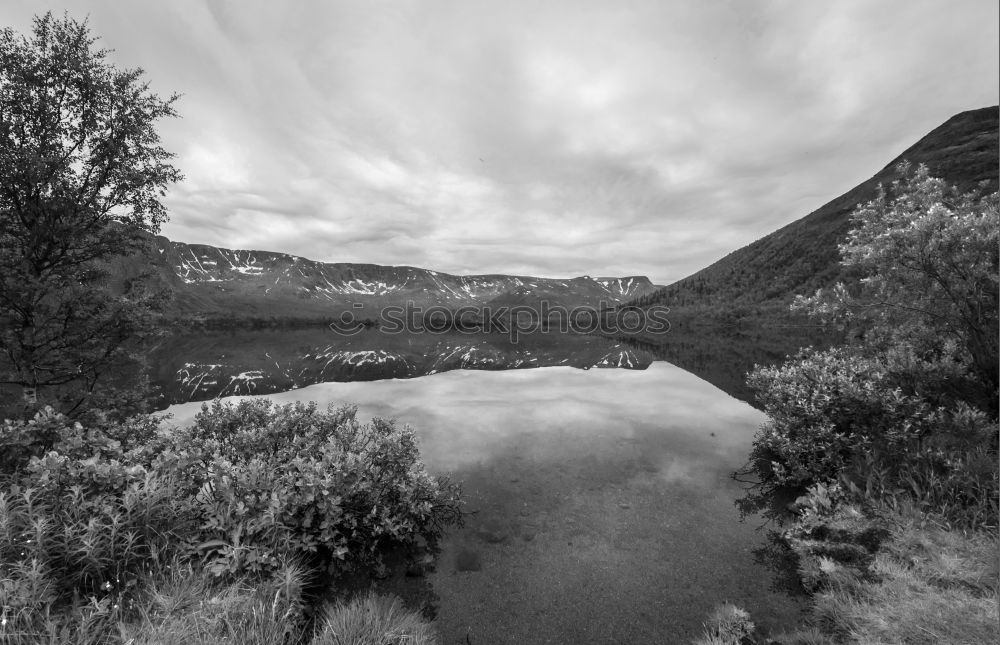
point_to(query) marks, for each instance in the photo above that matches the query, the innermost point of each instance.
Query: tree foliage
(910, 406)
(82, 173)
(929, 257)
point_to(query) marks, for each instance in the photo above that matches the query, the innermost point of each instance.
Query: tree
(930, 257)
(911, 404)
(82, 172)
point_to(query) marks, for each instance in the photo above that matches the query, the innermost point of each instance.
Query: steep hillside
(803, 256)
(215, 284)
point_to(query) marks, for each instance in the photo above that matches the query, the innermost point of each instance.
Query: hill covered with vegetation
(763, 277)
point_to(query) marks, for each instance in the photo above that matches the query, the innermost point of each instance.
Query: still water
(602, 498)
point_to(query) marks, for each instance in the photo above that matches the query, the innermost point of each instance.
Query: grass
(727, 625)
(924, 583)
(181, 604)
(928, 584)
(373, 620)
(187, 606)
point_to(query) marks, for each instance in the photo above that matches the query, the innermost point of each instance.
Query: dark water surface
(603, 499)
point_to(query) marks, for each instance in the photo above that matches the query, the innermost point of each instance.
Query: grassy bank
(881, 575)
(926, 583)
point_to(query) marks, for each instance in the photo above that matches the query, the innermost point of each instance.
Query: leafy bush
(823, 408)
(269, 480)
(88, 516)
(837, 414)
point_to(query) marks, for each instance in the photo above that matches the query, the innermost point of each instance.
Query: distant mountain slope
(216, 284)
(803, 256)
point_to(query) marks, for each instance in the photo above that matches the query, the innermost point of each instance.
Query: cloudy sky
(555, 138)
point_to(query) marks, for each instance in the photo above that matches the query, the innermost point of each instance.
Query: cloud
(558, 138)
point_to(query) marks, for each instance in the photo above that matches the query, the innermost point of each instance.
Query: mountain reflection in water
(202, 366)
(603, 507)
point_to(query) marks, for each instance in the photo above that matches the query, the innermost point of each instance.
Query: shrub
(840, 414)
(87, 516)
(824, 408)
(271, 480)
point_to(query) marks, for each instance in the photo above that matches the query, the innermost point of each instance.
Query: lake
(598, 471)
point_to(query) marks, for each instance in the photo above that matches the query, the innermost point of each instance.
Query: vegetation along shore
(879, 459)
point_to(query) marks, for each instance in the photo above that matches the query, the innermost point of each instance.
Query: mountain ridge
(209, 284)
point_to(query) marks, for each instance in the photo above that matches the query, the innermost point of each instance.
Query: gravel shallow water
(602, 498)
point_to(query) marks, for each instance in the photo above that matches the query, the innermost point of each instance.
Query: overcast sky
(554, 138)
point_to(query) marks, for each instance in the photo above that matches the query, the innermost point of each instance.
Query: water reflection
(604, 507)
(202, 366)
(198, 367)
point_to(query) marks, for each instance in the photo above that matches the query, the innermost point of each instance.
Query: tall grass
(70, 566)
(927, 586)
(961, 487)
(373, 620)
(186, 606)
